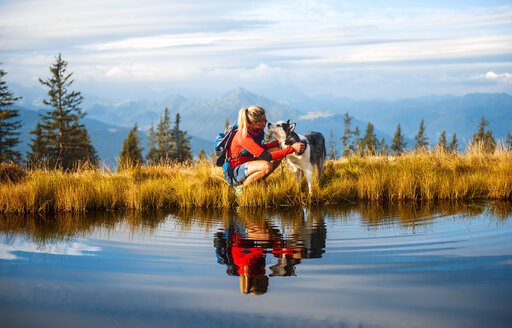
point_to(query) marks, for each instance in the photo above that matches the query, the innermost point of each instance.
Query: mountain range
(108, 122)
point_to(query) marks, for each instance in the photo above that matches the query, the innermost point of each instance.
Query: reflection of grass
(416, 176)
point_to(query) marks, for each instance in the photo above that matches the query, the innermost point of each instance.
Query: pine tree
(509, 141)
(202, 155)
(383, 148)
(65, 140)
(131, 153)
(357, 147)
(369, 141)
(331, 147)
(486, 138)
(348, 148)
(421, 138)
(454, 147)
(161, 142)
(442, 141)
(398, 145)
(39, 154)
(9, 125)
(181, 142)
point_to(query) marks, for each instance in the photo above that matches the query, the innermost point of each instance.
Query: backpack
(222, 144)
(221, 147)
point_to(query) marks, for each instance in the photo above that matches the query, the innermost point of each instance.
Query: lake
(359, 265)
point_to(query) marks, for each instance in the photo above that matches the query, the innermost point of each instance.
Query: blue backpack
(221, 147)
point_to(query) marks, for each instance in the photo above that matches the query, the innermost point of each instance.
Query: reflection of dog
(313, 156)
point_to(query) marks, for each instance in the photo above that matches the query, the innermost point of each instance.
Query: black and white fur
(313, 155)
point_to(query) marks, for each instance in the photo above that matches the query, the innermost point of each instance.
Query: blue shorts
(240, 173)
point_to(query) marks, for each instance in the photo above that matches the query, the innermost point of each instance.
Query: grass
(424, 175)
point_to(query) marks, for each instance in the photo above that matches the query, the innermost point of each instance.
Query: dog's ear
(291, 127)
(288, 122)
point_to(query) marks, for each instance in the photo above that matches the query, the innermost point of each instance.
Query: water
(421, 265)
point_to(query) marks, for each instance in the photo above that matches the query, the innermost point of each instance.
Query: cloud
(505, 78)
(315, 115)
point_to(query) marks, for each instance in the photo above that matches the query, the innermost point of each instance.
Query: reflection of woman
(243, 248)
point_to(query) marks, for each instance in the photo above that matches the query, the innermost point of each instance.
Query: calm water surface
(422, 265)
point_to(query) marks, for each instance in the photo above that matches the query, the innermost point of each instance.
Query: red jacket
(254, 148)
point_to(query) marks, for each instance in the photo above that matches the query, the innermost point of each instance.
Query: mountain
(203, 119)
(106, 138)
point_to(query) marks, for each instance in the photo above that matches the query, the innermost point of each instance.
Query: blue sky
(361, 50)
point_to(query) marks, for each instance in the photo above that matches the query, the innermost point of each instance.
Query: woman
(249, 158)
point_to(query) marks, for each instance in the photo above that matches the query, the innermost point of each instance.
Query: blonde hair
(249, 115)
(254, 285)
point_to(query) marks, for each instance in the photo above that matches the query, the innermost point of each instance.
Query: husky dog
(313, 155)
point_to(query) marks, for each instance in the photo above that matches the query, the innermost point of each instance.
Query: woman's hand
(298, 147)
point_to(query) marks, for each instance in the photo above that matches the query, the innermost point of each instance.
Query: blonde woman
(249, 158)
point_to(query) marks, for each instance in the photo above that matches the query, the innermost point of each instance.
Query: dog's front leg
(309, 178)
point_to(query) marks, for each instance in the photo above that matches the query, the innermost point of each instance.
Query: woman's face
(260, 124)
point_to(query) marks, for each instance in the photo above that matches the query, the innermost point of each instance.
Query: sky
(127, 49)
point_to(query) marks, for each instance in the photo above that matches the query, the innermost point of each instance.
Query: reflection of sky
(9, 248)
(452, 272)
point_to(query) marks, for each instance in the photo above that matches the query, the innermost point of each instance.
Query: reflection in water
(433, 264)
(244, 243)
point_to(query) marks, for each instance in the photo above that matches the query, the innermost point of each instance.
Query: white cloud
(315, 115)
(501, 78)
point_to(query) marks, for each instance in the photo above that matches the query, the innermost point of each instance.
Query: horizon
(364, 51)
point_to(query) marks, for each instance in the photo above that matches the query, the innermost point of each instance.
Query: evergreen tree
(152, 156)
(421, 138)
(39, 154)
(454, 147)
(442, 141)
(181, 142)
(369, 141)
(509, 141)
(486, 138)
(398, 145)
(161, 143)
(9, 125)
(331, 147)
(348, 148)
(131, 153)
(383, 148)
(358, 145)
(65, 140)
(202, 155)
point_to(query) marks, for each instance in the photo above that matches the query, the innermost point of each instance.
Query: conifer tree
(331, 147)
(454, 147)
(357, 147)
(398, 145)
(509, 141)
(442, 141)
(421, 138)
(161, 143)
(131, 153)
(9, 124)
(152, 156)
(484, 137)
(348, 148)
(65, 140)
(181, 142)
(369, 141)
(202, 155)
(383, 148)
(39, 154)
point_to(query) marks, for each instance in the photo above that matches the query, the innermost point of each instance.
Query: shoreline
(410, 177)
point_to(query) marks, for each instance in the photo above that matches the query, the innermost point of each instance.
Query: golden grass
(424, 175)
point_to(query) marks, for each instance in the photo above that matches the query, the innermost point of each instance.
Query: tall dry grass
(421, 175)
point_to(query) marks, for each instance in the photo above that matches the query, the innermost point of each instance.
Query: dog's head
(281, 129)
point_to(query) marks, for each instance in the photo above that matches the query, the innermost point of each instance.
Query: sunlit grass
(422, 175)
